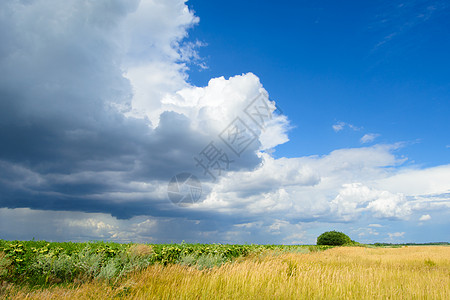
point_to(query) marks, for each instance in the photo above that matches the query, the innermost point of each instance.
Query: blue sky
(382, 66)
(105, 104)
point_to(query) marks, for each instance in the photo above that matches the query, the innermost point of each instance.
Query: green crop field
(41, 262)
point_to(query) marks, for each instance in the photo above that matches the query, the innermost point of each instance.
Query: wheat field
(338, 273)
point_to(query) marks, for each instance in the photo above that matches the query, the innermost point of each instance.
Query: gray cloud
(96, 116)
(66, 143)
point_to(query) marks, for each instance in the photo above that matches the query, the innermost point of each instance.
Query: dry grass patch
(140, 250)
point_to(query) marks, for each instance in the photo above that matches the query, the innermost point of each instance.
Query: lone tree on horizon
(333, 238)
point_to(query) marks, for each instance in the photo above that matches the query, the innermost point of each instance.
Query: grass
(337, 273)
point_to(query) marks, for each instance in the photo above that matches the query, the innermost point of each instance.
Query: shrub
(5, 265)
(209, 261)
(47, 269)
(333, 238)
(108, 270)
(88, 264)
(187, 260)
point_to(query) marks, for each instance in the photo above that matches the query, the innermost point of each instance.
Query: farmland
(108, 270)
(40, 262)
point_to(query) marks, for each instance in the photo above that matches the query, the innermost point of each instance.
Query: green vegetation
(283, 273)
(43, 263)
(334, 238)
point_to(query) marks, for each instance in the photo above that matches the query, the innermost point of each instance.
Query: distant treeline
(412, 244)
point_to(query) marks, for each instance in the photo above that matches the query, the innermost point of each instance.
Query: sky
(270, 122)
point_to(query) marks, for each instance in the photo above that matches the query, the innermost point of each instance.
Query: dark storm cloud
(65, 141)
(59, 84)
(47, 166)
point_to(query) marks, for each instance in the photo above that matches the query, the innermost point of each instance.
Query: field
(238, 272)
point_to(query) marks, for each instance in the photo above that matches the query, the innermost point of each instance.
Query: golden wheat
(338, 273)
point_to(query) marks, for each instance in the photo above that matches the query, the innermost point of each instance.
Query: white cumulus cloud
(425, 218)
(338, 126)
(369, 137)
(396, 234)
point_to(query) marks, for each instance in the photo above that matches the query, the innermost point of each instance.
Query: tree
(333, 238)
